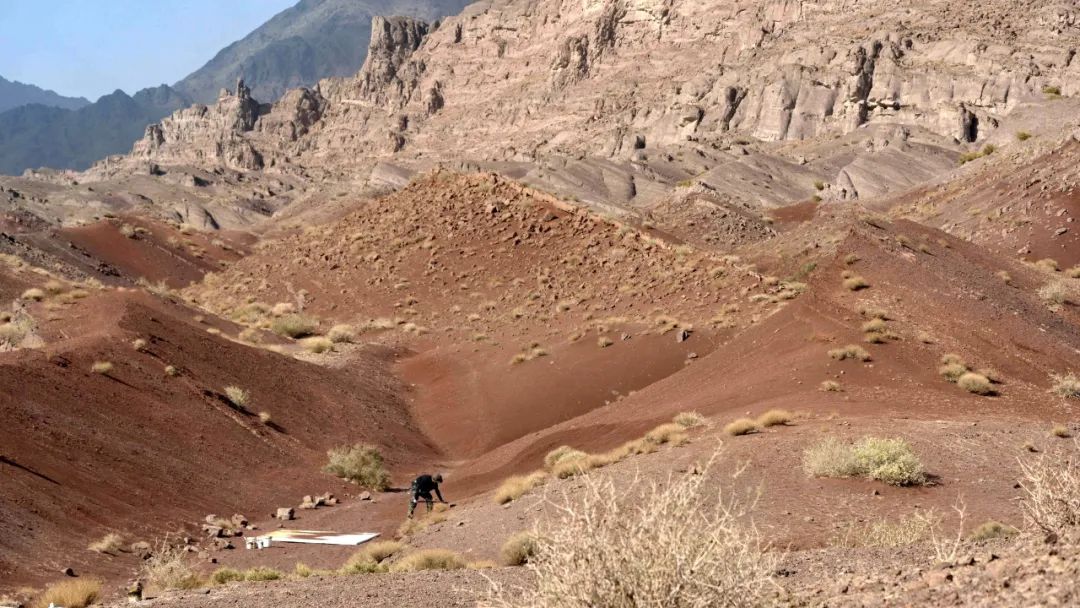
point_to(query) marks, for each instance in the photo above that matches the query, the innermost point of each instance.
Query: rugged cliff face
(636, 80)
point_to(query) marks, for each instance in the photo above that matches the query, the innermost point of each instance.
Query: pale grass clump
(952, 367)
(518, 549)
(517, 486)
(563, 452)
(138, 344)
(689, 420)
(1055, 293)
(830, 386)
(341, 334)
(101, 367)
(317, 345)
(1048, 264)
(265, 417)
(740, 426)
(294, 326)
(372, 557)
(975, 383)
(1060, 431)
(855, 283)
(1066, 385)
(667, 433)
(167, 569)
(360, 464)
(774, 418)
(992, 529)
(33, 294)
(429, 559)
(851, 351)
(110, 544)
(1051, 485)
(262, 574)
(676, 544)
(71, 593)
(886, 533)
(891, 461)
(237, 396)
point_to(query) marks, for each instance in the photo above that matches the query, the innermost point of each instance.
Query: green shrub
(361, 464)
(888, 460)
(222, 576)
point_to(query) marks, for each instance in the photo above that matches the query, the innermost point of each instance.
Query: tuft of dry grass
(167, 569)
(667, 433)
(517, 486)
(992, 529)
(372, 557)
(667, 544)
(71, 593)
(33, 295)
(1066, 385)
(604, 342)
(101, 367)
(855, 283)
(1060, 431)
(561, 453)
(741, 426)
(262, 574)
(294, 325)
(830, 386)
(139, 344)
(774, 418)
(888, 460)
(341, 334)
(517, 549)
(851, 351)
(1055, 293)
(172, 370)
(689, 420)
(361, 464)
(975, 383)
(110, 544)
(429, 559)
(1048, 264)
(237, 396)
(317, 344)
(265, 418)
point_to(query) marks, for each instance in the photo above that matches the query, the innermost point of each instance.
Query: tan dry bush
(1048, 264)
(667, 433)
(975, 383)
(671, 546)
(71, 593)
(33, 294)
(237, 396)
(265, 417)
(874, 325)
(1004, 276)
(741, 426)
(294, 325)
(317, 345)
(1060, 431)
(262, 574)
(341, 334)
(689, 420)
(517, 486)
(518, 549)
(223, 576)
(303, 570)
(830, 386)
(775, 418)
(110, 544)
(604, 342)
(851, 351)
(888, 460)
(361, 464)
(370, 559)
(138, 344)
(830, 458)
(1073, 273)
(1066, 385)
(1055, 293)
(886, 533)
(429, 559)
(167, 569)
(992, 529)
(101, 367)
(563, 452)
(1051, 485)
(855, 283)
(171, 370)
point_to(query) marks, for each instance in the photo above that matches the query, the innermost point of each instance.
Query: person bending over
(422, 487)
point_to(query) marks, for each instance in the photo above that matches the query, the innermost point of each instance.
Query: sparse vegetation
(33, 294)
(831, 386)
(1060, 431)
(110, 544)
(138, 344)
(317, 345)
(171, 370)
(71, 593)
(888, 460)
(1023, 135)
(265, 418)
(1051, 485)
(647, 548)
(851, 351)
(361, 464)
(517, 549)
(1055, 293)
(1066, 385)
(887, 533)
(101, 367)
(855, 283)
(667, 433)
(294, 325)
(1051, 91)
(774, 418)
(517, 486)
(987, 150)
(741, 426)
(561, 453)
(991, 530)
(372, 557)
(1048, 264)
(237, 396)
(429, 559)
(975, 383)
(952, 367)
(223, 576)
(689, 420)
(604, 342)
(341, 334)
(167, 569)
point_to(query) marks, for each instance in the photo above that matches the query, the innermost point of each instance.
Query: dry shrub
(171, 370)
(667, 433)
(888, 460)
(1061, 431)
(851, 351)
(952, 368)
(1074, 272)
(303, 570)
(317, 344)
(975, 383)
(1055, 293)
(341, 334)
(517, 549)
(237, 396)
(830, 386)
(774, 418)
(265, 417)
(484, 564)
(294, 325)
(138, 344)
(689, 420)
(604, 342)
(109, 544)
(874, 325)
(1048, 264)
(570, 467)
(515, 487)
(991, 530)
(855, 283)
(71, 593)
(563, 452)
(886, 533)
(1066, 385)
(167, 569)
(1051, 485)
(261, 574)
(360, 464)
(101, 367)
(741, 426)
(33, 294)
(222, 576)
(673, 545)
(429, 559)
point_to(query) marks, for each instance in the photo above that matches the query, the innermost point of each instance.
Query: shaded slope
(14, 94)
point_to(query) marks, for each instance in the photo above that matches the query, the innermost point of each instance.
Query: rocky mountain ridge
(14, 94)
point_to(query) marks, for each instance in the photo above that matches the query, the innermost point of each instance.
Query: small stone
(365, 495)
(67, 572)
(285, 513)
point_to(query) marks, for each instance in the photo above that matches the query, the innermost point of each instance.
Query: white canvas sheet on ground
(313, 537)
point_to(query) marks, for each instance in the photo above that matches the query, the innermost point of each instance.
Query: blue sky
(90, 48)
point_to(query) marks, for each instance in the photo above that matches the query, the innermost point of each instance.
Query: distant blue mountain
(14, 94)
